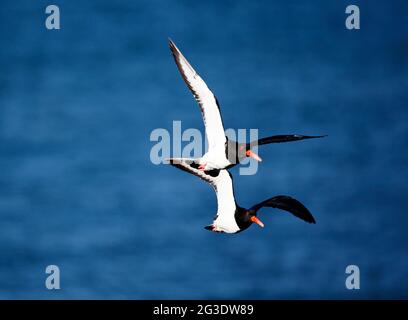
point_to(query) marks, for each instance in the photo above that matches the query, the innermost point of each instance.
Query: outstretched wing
(288, 204)
(189, 165)
(285, 138)
(208, 103)
(221, 180)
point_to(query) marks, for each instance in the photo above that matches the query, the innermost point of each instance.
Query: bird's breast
(226, 223)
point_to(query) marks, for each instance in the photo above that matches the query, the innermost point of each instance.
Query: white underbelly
(226, 224)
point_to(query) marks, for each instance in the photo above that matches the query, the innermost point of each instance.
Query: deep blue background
(77, 187)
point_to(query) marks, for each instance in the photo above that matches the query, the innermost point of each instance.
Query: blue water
(78, 190)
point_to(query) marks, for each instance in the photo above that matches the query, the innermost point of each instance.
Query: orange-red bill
(257, 221)
(252, 154)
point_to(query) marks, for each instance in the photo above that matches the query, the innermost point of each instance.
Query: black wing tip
(291, 205)
(168, 161)
(314, 137)
(175, 52)
(180, 161)
(311, 220)
(305, 215)
(173, 47)
(284, 138)
(304, 137)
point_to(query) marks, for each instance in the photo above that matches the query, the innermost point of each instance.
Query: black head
(236, 152)
(245, 218)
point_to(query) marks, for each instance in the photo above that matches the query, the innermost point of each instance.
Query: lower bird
(230, 217)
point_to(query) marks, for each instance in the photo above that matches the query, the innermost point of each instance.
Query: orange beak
(257, 221)
(252, 154)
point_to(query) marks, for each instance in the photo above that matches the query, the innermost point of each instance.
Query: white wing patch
(188, 165)
(210, 111)
(223, 186)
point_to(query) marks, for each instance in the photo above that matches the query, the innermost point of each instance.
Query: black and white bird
(222, 153)
(230, 217)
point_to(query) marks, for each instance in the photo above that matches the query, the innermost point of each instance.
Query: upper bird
(230, 217)
(222, 153)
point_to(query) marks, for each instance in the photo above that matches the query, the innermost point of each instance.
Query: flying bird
(230, 217)
(222, 153)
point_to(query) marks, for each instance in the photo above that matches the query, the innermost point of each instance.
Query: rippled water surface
(77, 188)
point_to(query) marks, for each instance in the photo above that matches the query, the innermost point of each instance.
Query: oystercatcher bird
(222, 153)
(230, 217)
